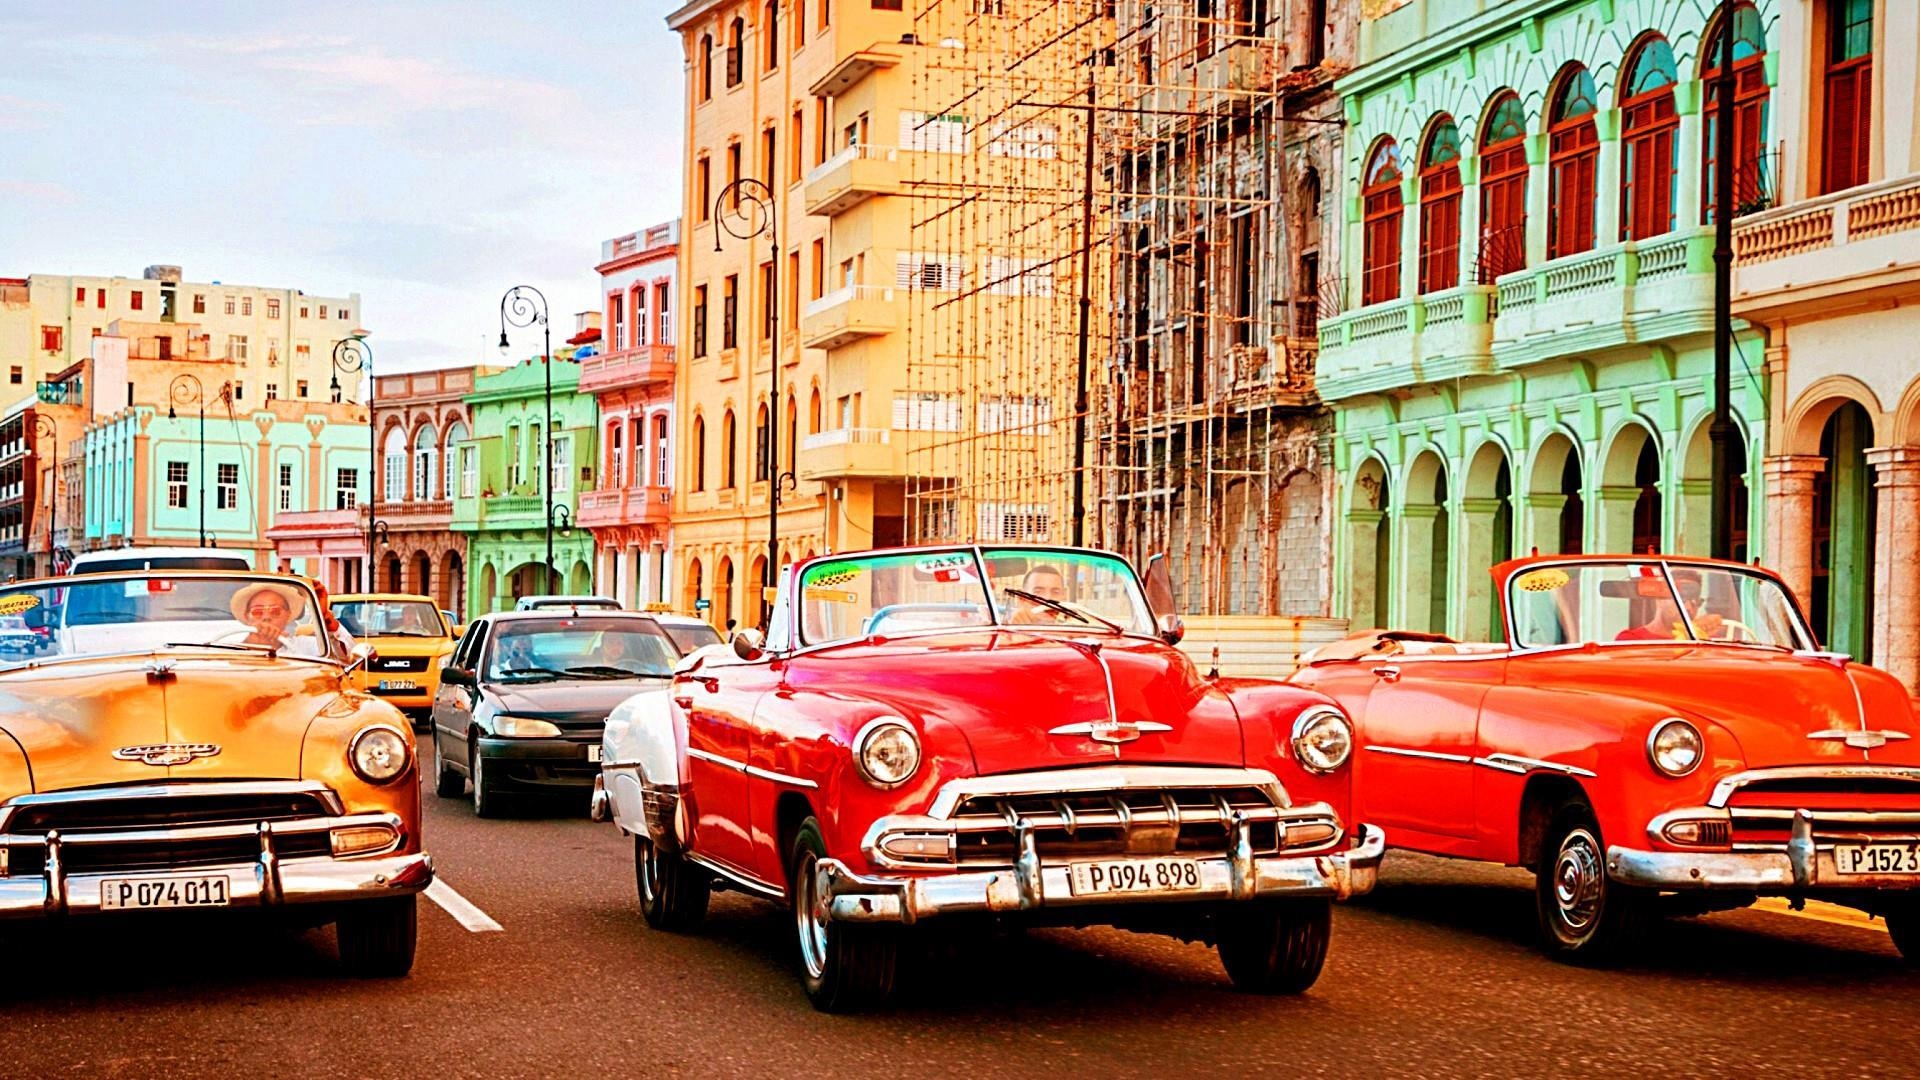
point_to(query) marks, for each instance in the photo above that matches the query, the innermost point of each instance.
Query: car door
(453, 704)
(717, 695)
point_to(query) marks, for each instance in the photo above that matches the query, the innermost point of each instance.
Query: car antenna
(1214, 671)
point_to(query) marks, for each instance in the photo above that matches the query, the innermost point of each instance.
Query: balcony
(514, 511)
(628, 369)
(849, 453)
(415, 515)
(1441, 335)
(851, 177)
(648, 505)
(849, 314)
(1797, 259)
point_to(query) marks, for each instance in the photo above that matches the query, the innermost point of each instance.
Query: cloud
(38, 191)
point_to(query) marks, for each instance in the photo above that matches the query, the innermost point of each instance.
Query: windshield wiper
(537, 672)
(229, 646)
(607, 671)
(1087, 617)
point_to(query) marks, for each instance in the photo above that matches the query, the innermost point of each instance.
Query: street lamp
(524, 305)
(755, 212)
(351, 354)
(44, 428)
(186, 388)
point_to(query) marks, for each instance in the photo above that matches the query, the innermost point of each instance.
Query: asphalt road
(1432, 976)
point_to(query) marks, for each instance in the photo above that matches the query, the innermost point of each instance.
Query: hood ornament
(1111, 732)
(161, 754)
(1860, 740)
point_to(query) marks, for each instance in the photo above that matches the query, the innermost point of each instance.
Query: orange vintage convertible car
(1655, 734)
(190, 740)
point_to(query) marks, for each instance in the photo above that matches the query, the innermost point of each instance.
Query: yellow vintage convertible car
(192, 740)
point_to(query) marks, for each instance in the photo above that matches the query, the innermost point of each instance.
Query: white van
(157, 558)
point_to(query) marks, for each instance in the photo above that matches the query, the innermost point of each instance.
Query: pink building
(630, 373)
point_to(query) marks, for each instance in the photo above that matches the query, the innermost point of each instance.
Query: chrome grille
(1084, 824)
(110, 812)
(162, 826)
(1846, 808)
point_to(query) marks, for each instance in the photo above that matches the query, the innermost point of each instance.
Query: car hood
(70, 717)
(567, 700)
(1770, 702)
(408, 645)
(1006, 691)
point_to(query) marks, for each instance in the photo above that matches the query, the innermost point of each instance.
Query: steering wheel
(239, 637)
(1734, 630)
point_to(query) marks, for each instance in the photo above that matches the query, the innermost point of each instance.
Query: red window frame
(1648, 123)
(1573, 149)
(1749, 126)
(1439, 218)
(1380, 275)
(1503, 208)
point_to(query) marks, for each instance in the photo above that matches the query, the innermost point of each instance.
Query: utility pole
(1721, 431)
(1080, 403)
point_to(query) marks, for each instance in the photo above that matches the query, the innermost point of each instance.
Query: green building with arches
(1526, 357)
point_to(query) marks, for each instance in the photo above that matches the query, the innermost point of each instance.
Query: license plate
(593, 752)
(1135, 876)
(127, 894)
(399, 684)
(1877, 858)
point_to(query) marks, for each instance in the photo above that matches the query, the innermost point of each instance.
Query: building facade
(500, 488)
(631, 377)
(1525, 357)
(1830, 277)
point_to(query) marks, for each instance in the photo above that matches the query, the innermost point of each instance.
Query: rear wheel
(844, 967)
(447, 781)
(376, 937)
(1276, 948)
(1585, 917)
(487, 800)
(1904, 924)
(673, 890)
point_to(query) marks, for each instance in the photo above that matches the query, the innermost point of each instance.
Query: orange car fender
(324, 757)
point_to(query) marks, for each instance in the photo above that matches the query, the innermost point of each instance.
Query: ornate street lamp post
(524, 305)
(351, 354)
(755, 212)
(185, 388)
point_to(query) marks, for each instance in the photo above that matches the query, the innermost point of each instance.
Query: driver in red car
(1666, 624)
(1045, 582)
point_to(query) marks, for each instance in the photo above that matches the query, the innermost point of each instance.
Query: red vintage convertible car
(1655, 734)
(952, 736)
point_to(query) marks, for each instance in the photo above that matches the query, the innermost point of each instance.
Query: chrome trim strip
(1518, 765)
(296, 827)
(735, 877)
(173, 790)
(1105, 778)
(779, 778)
(1862, 739)
(716, 759)
(1401, 751)
(1723, 791)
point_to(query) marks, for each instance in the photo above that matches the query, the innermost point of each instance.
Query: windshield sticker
(832, 596)
(1541, 581)
(950, 561)
(14, 605)
(833, 574)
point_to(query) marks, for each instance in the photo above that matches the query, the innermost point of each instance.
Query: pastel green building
(1526, 359)
(499, 499)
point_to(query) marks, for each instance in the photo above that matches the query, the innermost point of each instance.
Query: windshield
(861, 596)
(536, 650)
(160, 562)
(1576, 603)
(389, 618)
(116, 615)
(689, 637)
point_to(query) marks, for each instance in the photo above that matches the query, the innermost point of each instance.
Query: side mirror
(1158, 583)
(1172, 630)
(359, 656)
(456, 676)
(748, 644)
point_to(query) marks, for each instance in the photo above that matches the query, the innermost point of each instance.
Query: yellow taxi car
(409, 637)
(191, 740)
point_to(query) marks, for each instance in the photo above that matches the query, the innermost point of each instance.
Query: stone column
(1790, 479)
(1474, 614)
(1412, 569)
(1896, 582)
(1613, 509)
(1540, 523)
(622, 575)
(1363, 591)
(1606, 217)
(1693, 521)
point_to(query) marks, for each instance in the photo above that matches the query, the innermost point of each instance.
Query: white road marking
(461, 908)
(1822, 912)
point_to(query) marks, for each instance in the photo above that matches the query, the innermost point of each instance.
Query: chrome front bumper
(264, 881)
(1806, 862)
(1029, 884)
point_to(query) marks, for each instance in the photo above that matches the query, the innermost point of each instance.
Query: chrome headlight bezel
(1310, 755)
(362, 741)
(508, 726)
(1656, 749)
(866, 739)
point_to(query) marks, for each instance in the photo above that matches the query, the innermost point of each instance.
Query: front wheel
(1904, 925)
(1585, 917)
(843, 967)
(376, 937)
(673, 891)
(1276, 948)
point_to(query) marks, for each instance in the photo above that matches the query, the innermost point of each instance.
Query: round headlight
(887, 751)
(521, 727)
(1675, 747)
(378, 754)
(1322, 739)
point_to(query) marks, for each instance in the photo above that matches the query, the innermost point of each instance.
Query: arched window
(393, 480)
(729, 445)
(704, 65)
(1503, 188)
(736, 34)
(425, 442)
(813, 413)
(770, 35)
(761, 449)
(617, 455)
(1380, 276)
(449, 460)
(1752, 187)
(792, 420)
(699, 453)
(1440, 207)
(1648, 123)
(1573, 146)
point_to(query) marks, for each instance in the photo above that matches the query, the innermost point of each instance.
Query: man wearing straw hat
(267, 609)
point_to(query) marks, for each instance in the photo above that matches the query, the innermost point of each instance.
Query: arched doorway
(1486, 539)
(1369, 544)
(452, 584)
(1556, 519)
(1426, 537)
(693, 586)
(391, 576)
(489, 588)
(1844, 521)
(529, 579)
(580, 579)
(423, 573)
(1694, 529)
(1632, 507)
(723, 594)
(754, 609)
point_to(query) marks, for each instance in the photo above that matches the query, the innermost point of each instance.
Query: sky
(427, 155)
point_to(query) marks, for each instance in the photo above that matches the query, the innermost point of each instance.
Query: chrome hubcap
(1578, 881)
(649, 872)
(810, 917)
